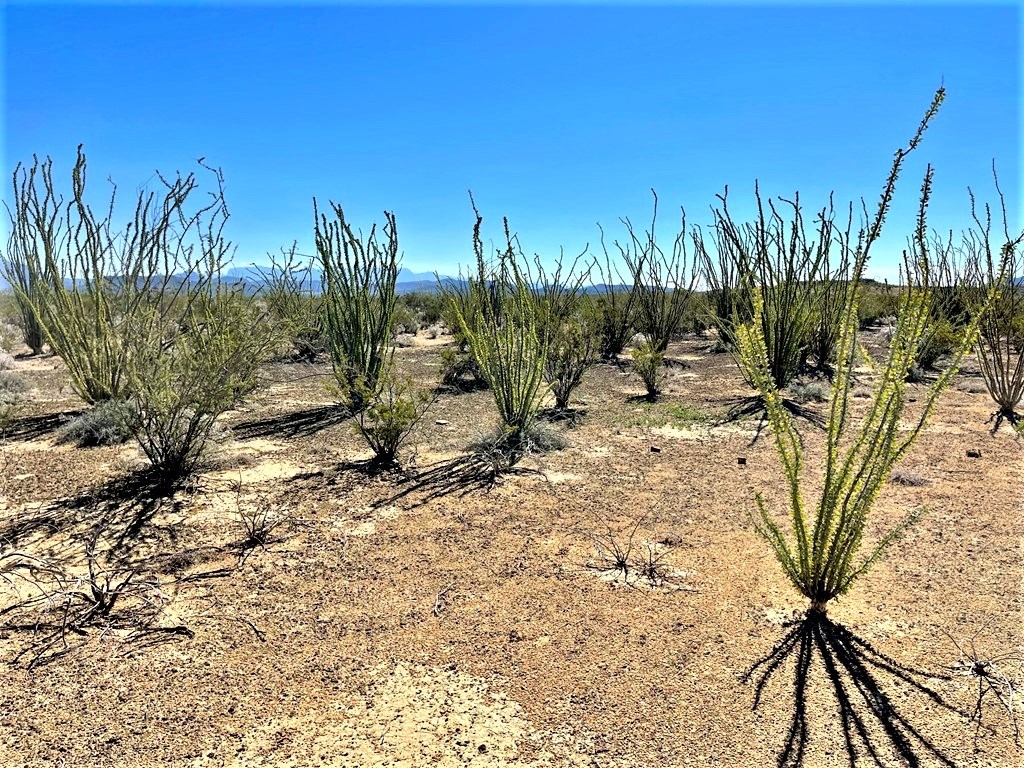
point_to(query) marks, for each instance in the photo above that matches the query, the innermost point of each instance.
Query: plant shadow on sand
(741, 408)
(459, 476)
(871, 723)
(103, 580)
(304, 423)
(29, 428)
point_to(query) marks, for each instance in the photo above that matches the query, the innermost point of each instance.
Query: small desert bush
(9, 337)
(456, 365)
(501, 449)
(110, 422)
(649, 365)
(940, 340)
(288, 291)
(389, 416)
(403, 322)
(359, 297)
(572, 351)
(13, 389)
(876, 302)
(182, 381)
(425, 309)
(808, 392)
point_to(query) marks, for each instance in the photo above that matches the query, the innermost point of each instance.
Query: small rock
(973, 453)
(441, 422)
(741, 460)
(655, 449)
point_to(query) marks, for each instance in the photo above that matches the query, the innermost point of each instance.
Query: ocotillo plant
(1001, 341)
(572, 350)
(503, 329)
(822, 558)
(562, 325)
(34, 233)
(359, 299)
(663, 282)
(614, 305)
(103, 288)
(287, 288)
(775, 258)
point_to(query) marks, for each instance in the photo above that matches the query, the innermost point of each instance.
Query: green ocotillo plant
(821, 555)
(504, 331)
(775, 258)
(359, 299)
(101, 286)
(34, 234)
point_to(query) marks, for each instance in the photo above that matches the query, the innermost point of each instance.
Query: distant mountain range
(255, 276)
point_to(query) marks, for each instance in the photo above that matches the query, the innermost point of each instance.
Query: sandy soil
(427, 618)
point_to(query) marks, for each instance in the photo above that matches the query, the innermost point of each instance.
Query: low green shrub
(649, 364)
(808, 392)
(13, 390)
(389, 416)
(572, 351)
(184, 379)
(110, 422)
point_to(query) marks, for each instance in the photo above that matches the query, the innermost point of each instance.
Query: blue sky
(556, 116)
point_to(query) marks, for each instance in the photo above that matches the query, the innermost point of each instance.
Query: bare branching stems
(821, 554)
(292, 299)
(663, 282)
(566, 330)
(614, 306)
(359, 299)
(34, 223)
(999, 258)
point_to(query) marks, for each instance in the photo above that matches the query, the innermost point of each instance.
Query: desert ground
(434, 617)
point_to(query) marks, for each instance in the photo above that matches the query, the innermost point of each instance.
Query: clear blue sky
(557, 116)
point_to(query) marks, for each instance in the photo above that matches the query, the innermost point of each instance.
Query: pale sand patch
(682, 433)
(422, 340)
(29, 446)
(255, 471)
(557, 478)
(362, 521)
(409, 716)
